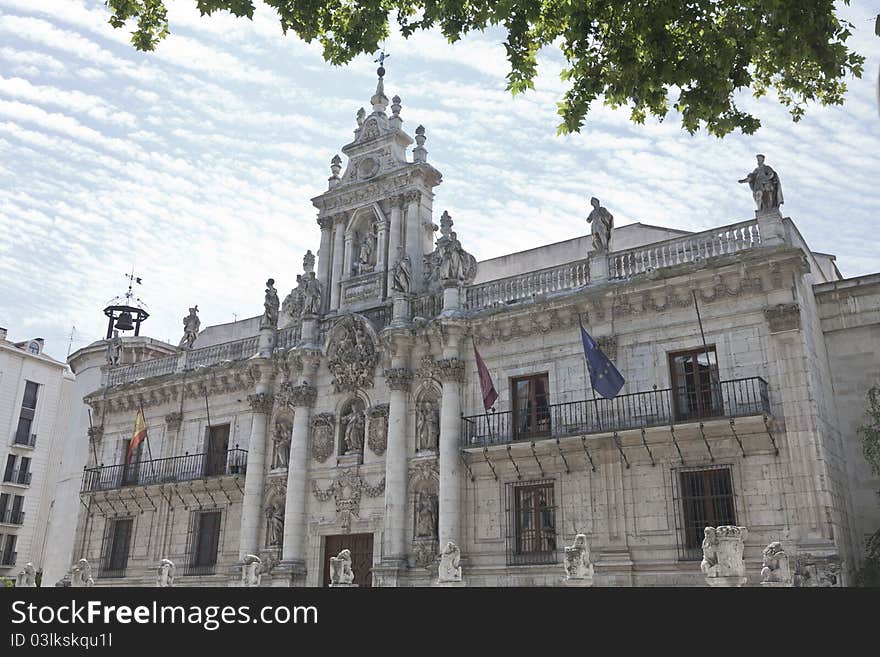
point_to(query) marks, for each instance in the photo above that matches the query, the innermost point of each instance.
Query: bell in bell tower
(377, 210)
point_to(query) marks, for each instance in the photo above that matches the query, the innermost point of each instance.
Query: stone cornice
(299, 396)
(394, 182)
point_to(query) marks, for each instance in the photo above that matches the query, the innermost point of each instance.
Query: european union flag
(604, 377)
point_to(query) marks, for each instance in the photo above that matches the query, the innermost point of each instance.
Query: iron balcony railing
(10, 517)
(111, 573)
(20, 476)
(165, 471)
(25, 440)
(200, 569)
(733, 398)
(8, 559)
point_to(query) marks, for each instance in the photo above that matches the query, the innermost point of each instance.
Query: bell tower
(375, 212)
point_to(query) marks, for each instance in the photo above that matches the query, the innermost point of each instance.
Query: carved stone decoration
(353, 421)
(577, 560)
(341, 573)
(27, 578)
(450, 560)
(426, 513)
(427, 367)
(301, 396)
(292, 306)
(449, 263)
(425, 553)
(281, 437)
(311, 294)
(347, 489)
(351, 356)
(275, 522)
(114, 349)
(775, 570)
(270, 306)
(601, 224)
(81, 574)
(722, 555)
(812, 571)
(401, 273)
(251, 571)
(191, 324)
(398, 378)
(765, 186)
(323, 425)
(173, 421)
(261, 402)
(377, 436)
(450, 370)
(783, 317)
(427, 422)
(165, 573)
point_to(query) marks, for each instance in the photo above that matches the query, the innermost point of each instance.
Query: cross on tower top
(381, 60)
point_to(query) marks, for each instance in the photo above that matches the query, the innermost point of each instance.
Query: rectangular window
(216, 446)
(695, 383)
(10, 467)
(531, 405)
(706, 501)
(23, 430)
(4, 505)
(205, 542)
(24, 470)
(131, 469)
(533, 523)
(16, 515)
(118, 544)
(8, 557)
(30, 395)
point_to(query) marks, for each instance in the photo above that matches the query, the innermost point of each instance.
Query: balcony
(189, 467)
(11, 517)
(200, 570)
(111, 573)
(8, 559)
(723, 399)
(17, 477)
(25, 440)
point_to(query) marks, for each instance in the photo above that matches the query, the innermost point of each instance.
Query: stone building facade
(350, 415)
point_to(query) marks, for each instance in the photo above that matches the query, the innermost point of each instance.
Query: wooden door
(216, 446)
(361, 547)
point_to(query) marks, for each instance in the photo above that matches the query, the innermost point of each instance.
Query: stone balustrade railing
(688, 248)
(288, 337)
(144, 370)
(525, 286)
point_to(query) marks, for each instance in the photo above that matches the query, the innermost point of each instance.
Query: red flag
(486, 385)
(140, 432)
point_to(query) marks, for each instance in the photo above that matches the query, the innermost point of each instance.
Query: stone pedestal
(727, 581)
(309, 331)
(343, 586)
(350, 460)
(598, 267)
(400, 313)
(267, 342)
(783, 585)
(452, 585)
(387, 573)
(578, 583)
(451, 300)
(771, 227)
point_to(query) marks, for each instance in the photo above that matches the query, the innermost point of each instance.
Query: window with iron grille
(204, 542)
(531, 537)
(706, 500)
(117, 545)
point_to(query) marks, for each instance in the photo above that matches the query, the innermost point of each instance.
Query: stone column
(399, 379)
(293, 553)
(348, 260)
(251, 506)
(395, 233)
(414, 238)
(382, 246)
(338, 261)
(450, 371)
(324, 260)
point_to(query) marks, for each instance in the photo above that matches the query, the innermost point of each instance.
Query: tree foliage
(693, 54)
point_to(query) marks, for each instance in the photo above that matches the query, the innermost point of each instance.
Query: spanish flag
(140, 432)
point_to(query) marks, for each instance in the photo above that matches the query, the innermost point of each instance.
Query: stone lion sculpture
(340, 569)
(27, 578)
(81, 574)
(775, 567)
(450, 568)
(251, 571)
(577, 559)
(165, 573)
(722, 552)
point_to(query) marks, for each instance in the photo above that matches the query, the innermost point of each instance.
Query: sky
(195, 164)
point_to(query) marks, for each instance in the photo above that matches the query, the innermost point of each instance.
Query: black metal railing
(8, 558)
(164, 471)
(11, 517)
(200, 569)
(25, 439)
(20, 476)
(733, 398)
(111, 573)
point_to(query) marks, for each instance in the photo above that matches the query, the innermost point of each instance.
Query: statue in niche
(427, 425)
(275, 523)
(293, 304)
(401, 273)
(340, 569)
(270, 305)
(354, 431)
(365, 252)
(311, 295)
(191, 325)
(765, 186)
(601, 224)
(114, 349)
(165, 573)
(281, 443)
(426, 515)
(251, 571)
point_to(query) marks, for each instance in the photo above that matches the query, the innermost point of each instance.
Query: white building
(34, 404)
(352, 416)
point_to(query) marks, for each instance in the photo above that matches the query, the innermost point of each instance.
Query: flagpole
(587, 378)
(703, 336)
(147, 438)
(94, 451)
(485, 410)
